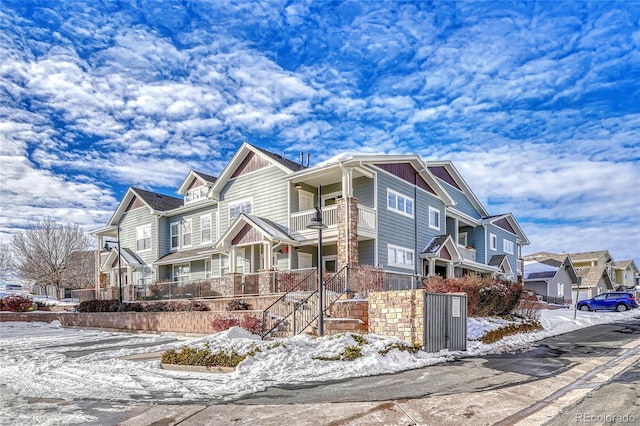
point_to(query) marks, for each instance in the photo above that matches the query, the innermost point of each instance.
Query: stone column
(265, 281)
(348, 232)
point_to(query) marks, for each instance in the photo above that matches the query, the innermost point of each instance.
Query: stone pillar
(348, 232)
(265, 282)
(233, 284)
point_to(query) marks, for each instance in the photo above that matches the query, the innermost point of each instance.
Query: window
(243, 206)
(330, 263)
(185, 231)
(399, 203)
(507, 246)
(207, 269)
(224, 264)
(181, 273)
(143, 238)
(560, 289)
(144, 276)
(400, 257)
(175, 235)
(195, 194)
(205, 229)
(434, 218)
(462, 239)
(493, 241)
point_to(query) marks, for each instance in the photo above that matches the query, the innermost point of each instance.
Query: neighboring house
(594, 269)
(397, 212)
(624, 274)
(551, 278)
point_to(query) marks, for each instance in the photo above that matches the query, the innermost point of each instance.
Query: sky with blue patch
(536, 103)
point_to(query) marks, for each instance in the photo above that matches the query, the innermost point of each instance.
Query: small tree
(6, 261)
(53, 254)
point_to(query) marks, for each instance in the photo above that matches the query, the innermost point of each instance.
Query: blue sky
(537, 104)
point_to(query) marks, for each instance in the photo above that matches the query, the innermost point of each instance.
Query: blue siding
(463, 204)
(364, 191)
(366, 255)
(400, 230)
(475, 238)
(501, 234)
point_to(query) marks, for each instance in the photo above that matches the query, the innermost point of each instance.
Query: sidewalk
(532, 403)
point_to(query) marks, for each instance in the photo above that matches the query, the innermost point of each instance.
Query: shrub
(497, 334)
(485, 296)
(175, 307)
(202, 357)
(528, 306)
(221, 324)
(368, 278)
(112, 305)
(251, 323)
(16, 303)
(238, 305)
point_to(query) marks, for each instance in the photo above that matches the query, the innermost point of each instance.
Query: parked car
(614, 301)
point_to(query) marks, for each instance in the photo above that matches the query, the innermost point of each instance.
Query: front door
(305, 260)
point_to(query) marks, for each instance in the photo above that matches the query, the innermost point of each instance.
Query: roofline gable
(128, 196)
(466, 189)
(514, 224)
(182, 190)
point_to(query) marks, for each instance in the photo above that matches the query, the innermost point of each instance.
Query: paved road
(549, 357)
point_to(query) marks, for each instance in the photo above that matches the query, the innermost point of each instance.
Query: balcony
(366, 220)
(467, 253)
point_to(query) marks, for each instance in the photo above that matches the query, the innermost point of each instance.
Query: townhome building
(399, 213)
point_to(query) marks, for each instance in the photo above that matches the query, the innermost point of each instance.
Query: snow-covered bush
(16, 303)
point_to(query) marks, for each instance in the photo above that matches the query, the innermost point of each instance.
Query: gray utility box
(445, 321)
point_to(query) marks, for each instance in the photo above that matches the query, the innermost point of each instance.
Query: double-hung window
(434, 218)
(143, 238)
(175, 235)
(239, 207)
(493, 242)
(205, 229)
(507, 246)
(181, 273)
(400, 257)
(399, 203)
(185, 231)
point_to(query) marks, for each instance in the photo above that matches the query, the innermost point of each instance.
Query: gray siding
(475, 239)
(366, 253)
(129, 222)
(463, 204)
(364, 191)
(403, 231)
(268, 191)
(501, 234)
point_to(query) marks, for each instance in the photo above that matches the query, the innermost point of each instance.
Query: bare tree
(6, 261)
(52, 254)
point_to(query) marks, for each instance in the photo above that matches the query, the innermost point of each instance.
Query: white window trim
(139, 228)
(506, 243)
(223, 258)
(176, 276)
(396, 209)
(196, 193)
(237, 202)
(171, 235)
(206, 216)
(465, 236)
(329, 258)
(330, 196)
(405, 250)
(493, 238)
(432, 226)
(190, 221)
(560, 289)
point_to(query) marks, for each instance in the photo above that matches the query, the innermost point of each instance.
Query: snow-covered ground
(42, 364)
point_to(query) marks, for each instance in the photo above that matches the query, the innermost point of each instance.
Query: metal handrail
(278, 301)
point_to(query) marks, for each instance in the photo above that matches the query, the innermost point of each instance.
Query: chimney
(308, 157)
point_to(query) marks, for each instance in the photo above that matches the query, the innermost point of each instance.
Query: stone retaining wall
(398, 314)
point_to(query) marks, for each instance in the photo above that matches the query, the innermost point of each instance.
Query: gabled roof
(624, 264)
(439, 243)
(207, 179)
(265, 230)
(512, 222)
(245, 149)
(592, 276)
(357, 160)
(156, 203)
(501, 261)
(184, 255)
(590, 255)
(458, 181)
(536, 271)
(128, 256)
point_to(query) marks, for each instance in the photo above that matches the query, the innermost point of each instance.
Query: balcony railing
(467, 253)
(366, 218)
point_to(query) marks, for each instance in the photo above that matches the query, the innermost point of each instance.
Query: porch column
(432, 267)
(450, 270)
(347, 182)
(347, 232)
(232, 260)
(268, 254)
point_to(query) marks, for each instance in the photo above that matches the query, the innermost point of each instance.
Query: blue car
(615, 301)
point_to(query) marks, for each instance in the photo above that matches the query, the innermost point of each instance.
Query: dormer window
(196, 194)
